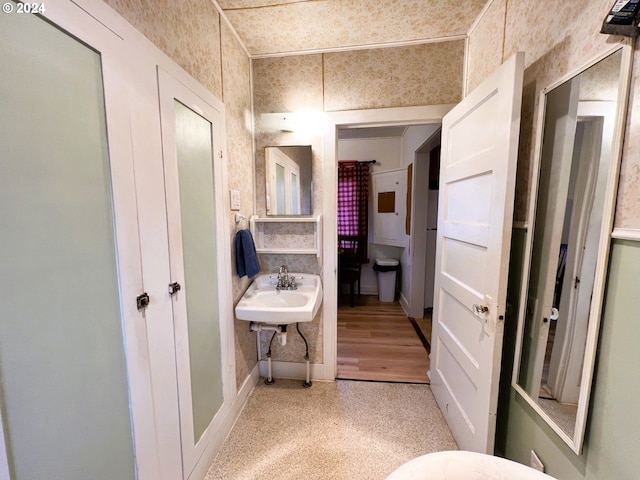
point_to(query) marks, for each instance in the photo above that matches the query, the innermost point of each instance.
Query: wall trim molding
(369, 290)
(404, 304)
(632, 234)
(480, 17)
(369, 46)
(224, 19)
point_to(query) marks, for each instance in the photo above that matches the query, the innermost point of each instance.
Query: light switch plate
(235, 199)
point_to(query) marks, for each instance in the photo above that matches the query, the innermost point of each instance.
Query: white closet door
(191, 137)
(70, 259)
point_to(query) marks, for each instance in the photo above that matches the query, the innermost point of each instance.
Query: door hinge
(142, 301)
(220, 154)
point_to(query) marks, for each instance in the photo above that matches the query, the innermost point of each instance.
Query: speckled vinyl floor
(339, 430)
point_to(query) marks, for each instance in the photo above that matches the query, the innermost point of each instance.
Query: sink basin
(263, 303)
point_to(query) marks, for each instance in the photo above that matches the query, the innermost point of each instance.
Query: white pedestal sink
(263, 303)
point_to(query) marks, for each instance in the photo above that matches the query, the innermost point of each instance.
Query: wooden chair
(350, 260)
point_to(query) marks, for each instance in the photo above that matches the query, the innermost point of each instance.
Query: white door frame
(334, 120)
(419, 222)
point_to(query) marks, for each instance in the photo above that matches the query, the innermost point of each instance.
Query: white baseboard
(230, 418)
(369, 290)
(297, 371)
(404, 303)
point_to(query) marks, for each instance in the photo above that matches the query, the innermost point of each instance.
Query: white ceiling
(285, 27)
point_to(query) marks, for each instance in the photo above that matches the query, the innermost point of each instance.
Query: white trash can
(386, 271)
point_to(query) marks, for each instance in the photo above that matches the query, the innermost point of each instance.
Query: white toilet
(461, 465)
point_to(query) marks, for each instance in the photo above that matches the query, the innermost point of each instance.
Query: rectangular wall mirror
(288, 180)
(567, 248)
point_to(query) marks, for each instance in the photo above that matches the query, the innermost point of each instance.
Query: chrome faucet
(284, 281)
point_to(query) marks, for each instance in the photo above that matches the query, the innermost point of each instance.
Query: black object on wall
(622, 19)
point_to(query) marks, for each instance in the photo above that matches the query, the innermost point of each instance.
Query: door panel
(458, 209)
(191, 139)
(465, 262)
(63, 373)
(194, 148)
(477, 179)
(467, 332)
(483, 114)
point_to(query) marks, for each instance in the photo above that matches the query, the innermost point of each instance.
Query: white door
(191, 137)
(70, 258)
(477, 181)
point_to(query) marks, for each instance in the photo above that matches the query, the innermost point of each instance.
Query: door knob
(481, 311)
(174, 287)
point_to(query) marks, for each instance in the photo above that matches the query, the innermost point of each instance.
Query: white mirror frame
(576, 441)
(274, 154)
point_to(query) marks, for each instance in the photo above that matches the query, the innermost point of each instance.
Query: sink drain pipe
(307, 383)
(276, 329)
(281, 330)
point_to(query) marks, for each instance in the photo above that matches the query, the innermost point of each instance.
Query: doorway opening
(382, 337)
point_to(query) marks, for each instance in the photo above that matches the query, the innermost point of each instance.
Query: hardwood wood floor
(376, 341)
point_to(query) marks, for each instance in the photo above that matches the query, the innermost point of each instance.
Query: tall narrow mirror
(288, 180)
(568, 247)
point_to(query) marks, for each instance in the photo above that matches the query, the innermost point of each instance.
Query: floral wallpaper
(236, 75)
(628, 206)
(287, 84)
(554, 46)
(188, 32)
(485, 44)
(271, 27)
(289, 235)
(428, 74)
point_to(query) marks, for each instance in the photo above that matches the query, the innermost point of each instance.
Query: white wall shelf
(287, 235)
